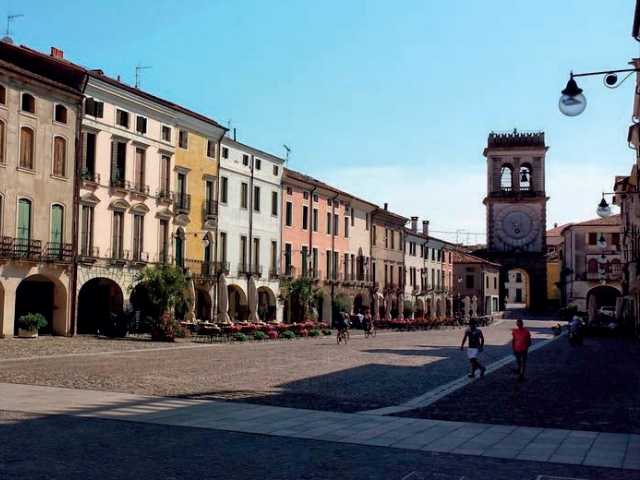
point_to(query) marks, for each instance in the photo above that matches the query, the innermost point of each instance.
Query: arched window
(57, 227)
(179, 247)
(2, 142)
(505, 178)
(26, 148)
(525, 179)
(24, 219)
(60, 114)
(28, 103)
(592, 266)
(59, 156)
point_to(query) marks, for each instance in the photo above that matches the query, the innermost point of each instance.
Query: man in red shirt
(520, 342)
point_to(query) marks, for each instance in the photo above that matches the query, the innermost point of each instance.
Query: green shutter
(24, 219)
(56, 224)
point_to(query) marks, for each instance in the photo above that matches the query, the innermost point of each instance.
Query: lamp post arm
(605, 72)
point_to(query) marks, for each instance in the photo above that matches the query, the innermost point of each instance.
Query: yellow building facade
(196, 206)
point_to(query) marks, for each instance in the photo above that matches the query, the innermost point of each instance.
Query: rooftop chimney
(118, 77)
(425, 228)
(414, 224)
(386, 205)
(55, 52)
(555, 225)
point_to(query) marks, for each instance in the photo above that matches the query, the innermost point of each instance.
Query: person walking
(476, 344)
(520, 343)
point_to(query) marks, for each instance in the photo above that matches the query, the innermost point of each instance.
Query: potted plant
(29, 324)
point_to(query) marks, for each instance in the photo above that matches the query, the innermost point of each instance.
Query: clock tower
(516, 211)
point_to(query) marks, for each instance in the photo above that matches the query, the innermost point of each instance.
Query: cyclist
(343, 324)
(367, 324)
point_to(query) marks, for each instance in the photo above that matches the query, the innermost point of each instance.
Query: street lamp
(573, 102)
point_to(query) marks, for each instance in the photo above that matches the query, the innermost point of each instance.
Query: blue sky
(392, 102)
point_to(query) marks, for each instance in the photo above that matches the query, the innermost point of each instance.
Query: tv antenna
(138, 69)
(10, 19)
(286, 160)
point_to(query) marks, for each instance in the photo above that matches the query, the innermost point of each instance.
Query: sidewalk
(452, 427)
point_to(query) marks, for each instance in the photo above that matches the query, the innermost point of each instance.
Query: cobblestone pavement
(303, 373)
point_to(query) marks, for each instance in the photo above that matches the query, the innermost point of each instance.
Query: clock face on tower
(517, 225)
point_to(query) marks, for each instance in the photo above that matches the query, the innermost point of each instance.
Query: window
(163, 243)
(225, 152)
(28, 103)
(258, 164)
(314, 221)
(615, 237)
(256, 199)
(256, 254)
(289, 191)
(305, 217)
(140, 170)
(592, 238)
(86, 232)
(328, 263)
(141, 125)
(245, 160)
(3, 95)
(94, 107)
(336, 224)
(138, 237)
(165, 133)
(393, 239)
(287, 256)
(243, 251)
(288, 218)
(24, 219)
(273, 261)
(59, 156)
(244, 195)
(122, 118)
(276, 170)
(366, 220)
(305, 195)
(222, 248)
(60, 114)
(88, 155)
(374, 235)
(57, 222)
(209, 198)
(26, 148)
(118, 163)
(224, 183)
(328, 223)
(165, 176)
(315, 197)
(274, 203)
(1, 142)
(211, 149)
(183, 139)
(346, 227)
(117, 250)
(353, 217)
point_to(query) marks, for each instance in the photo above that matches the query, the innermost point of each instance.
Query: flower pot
(27, 333)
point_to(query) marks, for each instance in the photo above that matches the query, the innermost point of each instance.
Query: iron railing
(182, 201)
(210, 208)
(58, 252)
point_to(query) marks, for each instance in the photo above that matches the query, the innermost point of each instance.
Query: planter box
(27, 333)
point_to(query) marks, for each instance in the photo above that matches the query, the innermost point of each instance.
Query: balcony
(118, 184)
(58, 252)
(205, 271)
(138, 188)
(6, 247)
(210, 208)
(119, 256)
(89, 254)
(248, 269)
(139, 258)
(274, 273)
(27, 249)
(221, 267)
(165, 194)
(611, 276)
(163, 257)
(90, 177)
(334, 277)
(182, 201)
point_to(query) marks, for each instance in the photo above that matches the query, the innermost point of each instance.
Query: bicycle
(343, 335)
(370, 332)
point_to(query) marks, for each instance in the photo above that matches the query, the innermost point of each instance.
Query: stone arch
(517, 287)
(506, 177)
(98, 297)
(439, 308)
(203, 304)
(525, 177)
(52, 302)
(266, 304)
(238, 305)
(606, 295)
(419, 308)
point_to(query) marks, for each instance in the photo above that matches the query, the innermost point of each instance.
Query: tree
(166, 288)
(301, 294)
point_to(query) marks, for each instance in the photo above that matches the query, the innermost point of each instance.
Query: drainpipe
(216, 229)
(73, 277)
(315, 187)
(333, 253)
(250, 258)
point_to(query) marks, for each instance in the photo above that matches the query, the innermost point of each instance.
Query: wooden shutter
(26, 148)
(1, 142)
(59, 154)
(100, 109)
(89, 106)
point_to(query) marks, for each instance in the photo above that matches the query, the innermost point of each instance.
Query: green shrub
(32, 321)
(260, 335)
(288, 334)
(327, 331)
(239, 337)
(314, 333)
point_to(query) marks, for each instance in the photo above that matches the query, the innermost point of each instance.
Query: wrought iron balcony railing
(27, 249)
(210, 208)
(58, 252)
(182, 201)
(165, 194)
(89, 176)
(138, 187)
(91, 252)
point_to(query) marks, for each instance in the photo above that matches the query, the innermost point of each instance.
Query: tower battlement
(515, 139)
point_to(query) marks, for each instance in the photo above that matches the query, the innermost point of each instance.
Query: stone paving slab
(519, 443)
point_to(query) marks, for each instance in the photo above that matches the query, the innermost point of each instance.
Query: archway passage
(358, 304)
(266, 304)
(606, 295)
(203, 304)
(238, 310)
(99, 297)
(51, 303)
